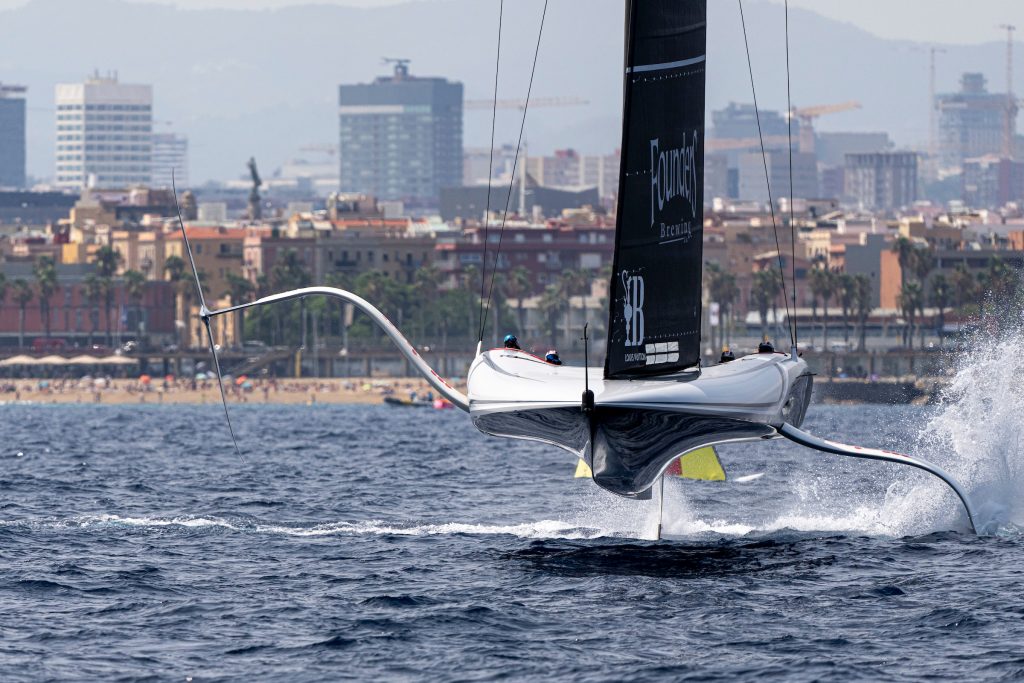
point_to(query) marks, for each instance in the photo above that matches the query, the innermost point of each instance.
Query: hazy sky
(940, 21)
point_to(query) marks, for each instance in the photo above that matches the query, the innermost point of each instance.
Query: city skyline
(233, 102)
(882, 18)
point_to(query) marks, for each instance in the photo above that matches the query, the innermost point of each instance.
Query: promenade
(186, 391)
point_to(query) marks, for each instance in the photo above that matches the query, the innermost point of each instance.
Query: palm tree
(107, 297)
(290, 272)
(904, 248)
(428, 282)
(518, 287)
(471, 280)
(846, 291)
(862, 305)
(239, 290)
(552, 301)
(762, 297)
(4, 285)
(135, 288)
(93, 291)
(942, 295)
(965, 287)
(822, 284)
(23, 295)
(108, 260)
(1000, 284)
(497, 288)
(922, 263)
(573, 283)
(46, 280)
(722, 289)
(910, 300)
(174, 268)
(174, 272)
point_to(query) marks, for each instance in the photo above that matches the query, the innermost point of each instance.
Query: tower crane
(806, 116)
(1009, 125)
(805, 141)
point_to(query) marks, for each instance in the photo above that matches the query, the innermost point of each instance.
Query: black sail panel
(654, 325)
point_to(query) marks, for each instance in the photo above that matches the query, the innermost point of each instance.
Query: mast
(655, 305)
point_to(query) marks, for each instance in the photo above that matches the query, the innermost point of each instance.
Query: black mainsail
(655, 295)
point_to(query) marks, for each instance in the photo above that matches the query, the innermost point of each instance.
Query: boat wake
(544, 529)
(976, 433)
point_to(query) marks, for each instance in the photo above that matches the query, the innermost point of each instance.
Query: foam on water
(977, 435)
(542, 529)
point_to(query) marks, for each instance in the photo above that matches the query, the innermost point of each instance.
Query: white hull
(637, 427)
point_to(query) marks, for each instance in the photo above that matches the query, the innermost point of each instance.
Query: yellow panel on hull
(702, 464)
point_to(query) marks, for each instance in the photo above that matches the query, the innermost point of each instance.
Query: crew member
(552, 357)
(512, 343)
(765, 347)
(727, 355)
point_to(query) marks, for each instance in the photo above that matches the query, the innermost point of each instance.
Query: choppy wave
(398, 545)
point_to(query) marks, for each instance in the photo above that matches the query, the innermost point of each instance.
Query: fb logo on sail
(634, 309)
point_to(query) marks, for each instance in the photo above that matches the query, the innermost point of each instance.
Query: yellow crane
(805, 140)
(806, 116)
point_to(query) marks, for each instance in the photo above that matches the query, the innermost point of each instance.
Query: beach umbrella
(118, 360)
(83, 360)
(20, 359)
(241, 380)
(145, 379)
(52, 360)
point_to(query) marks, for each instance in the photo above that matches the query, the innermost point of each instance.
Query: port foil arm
(456, 397)
(810, 441)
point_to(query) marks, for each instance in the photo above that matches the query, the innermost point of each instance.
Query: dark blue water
(394, 544)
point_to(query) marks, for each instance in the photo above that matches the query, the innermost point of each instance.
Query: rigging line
(490, 169)
(764, 159)
(204, 315)
(515, 163)
(792, 222)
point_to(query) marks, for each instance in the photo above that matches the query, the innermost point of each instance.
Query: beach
(352, 390)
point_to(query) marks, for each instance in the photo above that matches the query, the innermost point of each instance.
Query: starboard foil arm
(810, 441)
(456, 397)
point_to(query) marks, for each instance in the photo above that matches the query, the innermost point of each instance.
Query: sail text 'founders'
(674, 176)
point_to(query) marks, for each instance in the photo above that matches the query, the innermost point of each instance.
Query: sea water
(370, 542)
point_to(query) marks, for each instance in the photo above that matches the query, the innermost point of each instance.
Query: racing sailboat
(652, 401)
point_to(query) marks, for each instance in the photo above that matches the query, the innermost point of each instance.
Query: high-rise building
(12, 136)
(881, 181)
(832, 148)
(104, 134)
(739, 121)
(752, 184)
(401, 137)
(170, 152)
(972, 122)
(990, 182)
(567, 169)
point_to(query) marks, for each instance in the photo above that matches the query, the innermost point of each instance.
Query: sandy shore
(295, 391)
